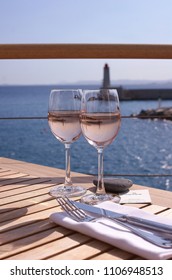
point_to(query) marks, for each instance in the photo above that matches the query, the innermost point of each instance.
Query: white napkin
(116, 235)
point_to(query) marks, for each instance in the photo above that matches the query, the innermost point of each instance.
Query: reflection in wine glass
(63, 118)
(100, 122)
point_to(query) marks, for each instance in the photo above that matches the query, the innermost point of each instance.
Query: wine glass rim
(65, 89)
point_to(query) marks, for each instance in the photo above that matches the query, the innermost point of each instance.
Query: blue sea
(142, 146)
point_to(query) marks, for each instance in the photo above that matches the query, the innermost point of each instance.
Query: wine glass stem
(68, 181)
(100, 185)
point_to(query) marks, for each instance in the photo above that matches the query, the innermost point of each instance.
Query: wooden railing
(83, 51)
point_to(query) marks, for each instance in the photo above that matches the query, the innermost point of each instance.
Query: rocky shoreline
(159, 113)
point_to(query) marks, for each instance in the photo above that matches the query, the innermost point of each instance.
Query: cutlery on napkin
(116, 235)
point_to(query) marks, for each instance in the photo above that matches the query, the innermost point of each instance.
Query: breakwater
(144, 94)
(160, 113)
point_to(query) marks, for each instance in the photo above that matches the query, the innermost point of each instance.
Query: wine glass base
(70, 191)
(93, 199)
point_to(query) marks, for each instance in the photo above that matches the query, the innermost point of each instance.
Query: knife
(125, 218)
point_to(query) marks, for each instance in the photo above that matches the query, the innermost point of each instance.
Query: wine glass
(63, 118)
(100, 122)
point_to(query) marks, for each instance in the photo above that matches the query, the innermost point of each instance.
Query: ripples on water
(141, 147)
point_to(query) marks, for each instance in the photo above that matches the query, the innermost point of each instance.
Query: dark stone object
(115, 185)
(159, 113)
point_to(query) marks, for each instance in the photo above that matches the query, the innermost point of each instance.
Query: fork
(80, 216)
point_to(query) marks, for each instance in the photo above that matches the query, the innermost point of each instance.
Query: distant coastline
(126, 92)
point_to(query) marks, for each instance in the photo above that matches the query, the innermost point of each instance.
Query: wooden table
(25, 206)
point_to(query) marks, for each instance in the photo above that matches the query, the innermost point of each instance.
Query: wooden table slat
(31, 242)
(31, 181)
(49, 249)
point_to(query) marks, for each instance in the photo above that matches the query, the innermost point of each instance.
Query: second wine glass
(63, 118)
(100, 122)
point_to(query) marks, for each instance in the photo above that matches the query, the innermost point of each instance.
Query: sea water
(142, 146)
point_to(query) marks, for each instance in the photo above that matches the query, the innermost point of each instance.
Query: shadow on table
(8, 214)
(27, 181)
(33, 233)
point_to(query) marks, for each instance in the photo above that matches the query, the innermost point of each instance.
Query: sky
(84, 21)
